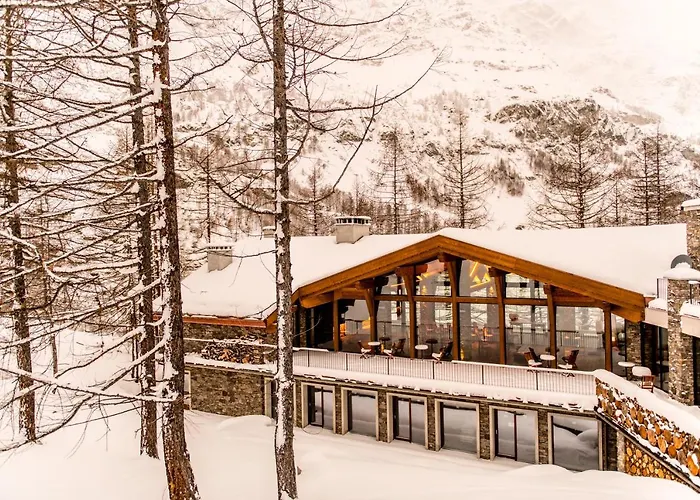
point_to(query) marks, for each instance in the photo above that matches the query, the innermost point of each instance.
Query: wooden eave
(628, 303)
(216, 320)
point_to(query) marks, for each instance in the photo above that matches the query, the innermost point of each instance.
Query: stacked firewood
(243, 350)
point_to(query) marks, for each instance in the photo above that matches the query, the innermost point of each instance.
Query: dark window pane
(434, 321)
(475, 280)
(619, 345)
(527, 436)
(526, 327)
(273, 399)
(575, 442)
(479, 335)
(320, 327)
(505, 422)
(391, 285)
(402, 419)
(362, 414)
(328, 405)
(417, 422)
(459, 428)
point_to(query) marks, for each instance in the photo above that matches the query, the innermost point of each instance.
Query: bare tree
(311, 218)
(575, 191)
(466, 181)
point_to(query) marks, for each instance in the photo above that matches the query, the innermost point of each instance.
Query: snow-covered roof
(691, 205)
(627, 257)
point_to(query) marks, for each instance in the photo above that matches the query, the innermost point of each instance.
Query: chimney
(350, 228)
(268, 231)
(218, 257)
(690, 214)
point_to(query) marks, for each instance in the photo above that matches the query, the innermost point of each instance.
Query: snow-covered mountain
(635, 64)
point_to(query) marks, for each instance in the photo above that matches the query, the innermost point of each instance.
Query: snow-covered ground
(96, 457)
(233, 458)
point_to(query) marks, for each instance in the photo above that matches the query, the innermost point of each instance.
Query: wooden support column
(409, 280)
(608, 337)
(500, 279)
(336, 326)
(552, 315)
(367, 288)
(453, 267)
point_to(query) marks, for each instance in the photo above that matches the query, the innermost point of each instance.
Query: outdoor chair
(647, 383)
(535, 357)
(571, 359)
(530, 360)
(365, 351)
(444, 353)
(397, 347)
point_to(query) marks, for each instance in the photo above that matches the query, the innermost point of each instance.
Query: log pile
(680, 449)
(244, 350)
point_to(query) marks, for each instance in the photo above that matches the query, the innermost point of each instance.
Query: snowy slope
(639, 61)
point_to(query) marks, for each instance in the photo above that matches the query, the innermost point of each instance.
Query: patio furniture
(397, 347)
(421, 348)
(647, 383)
(548, 358)
(389, 353)
(384, 340)
(647, 379)
(534, 354)
(444, 353)
(375, 346)
(626, 365)
(431, 342)
(570, 359)
(365, 351)
(530, 360)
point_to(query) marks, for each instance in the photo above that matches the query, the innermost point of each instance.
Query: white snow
(690, 309)
(659, 303)
(234, 456)
(690, 205)
(621, 256)
(682, 271)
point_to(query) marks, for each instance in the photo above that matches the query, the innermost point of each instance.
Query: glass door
(409, 420)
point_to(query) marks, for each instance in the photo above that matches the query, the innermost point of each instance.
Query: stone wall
(675, 450)
(633, 341)
(206, 332)
(227, 392)
(681, 372)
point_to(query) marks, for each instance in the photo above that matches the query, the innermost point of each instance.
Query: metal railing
(515, 377)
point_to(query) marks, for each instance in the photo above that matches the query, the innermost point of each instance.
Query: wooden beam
(372, 310)
(336, 327)
(608, 338)
(216, 320)
(500, 279)
(316, 300)
(408, 275)
(632, 315)
(552, 315)
(452, 266)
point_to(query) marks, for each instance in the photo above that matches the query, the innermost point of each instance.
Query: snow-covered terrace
(657, 310)
(565, 388)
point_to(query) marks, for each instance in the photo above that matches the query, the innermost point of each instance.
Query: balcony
(402, 370)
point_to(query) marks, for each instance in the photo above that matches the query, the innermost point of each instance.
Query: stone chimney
(218, 257)
(690, 214)
(681, 371)
(268, 231)
(350, 228)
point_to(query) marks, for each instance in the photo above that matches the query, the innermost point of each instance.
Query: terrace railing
(515, 377)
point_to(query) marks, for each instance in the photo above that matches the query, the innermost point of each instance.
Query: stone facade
(680, 346)
(383, 415)
(676, 450)
(227, 392)
(197, 335)
(432, 427)
(691, 217)
(543, 436)
(484, 431)
(633, 340)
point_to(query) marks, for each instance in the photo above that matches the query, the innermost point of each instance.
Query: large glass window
(527, 330)
(354, 324)
(272, 411)
(393, 325)
(433, 278)
(479, 336)
(516, 435)
(519, 287)
(619, 345)
(409, 420)
(459, 428)
(659, 360)
(362, 413)
(434, 321)
(391, 285)
(575, 442)
(580, 337)
(320, 406)
(475, 280)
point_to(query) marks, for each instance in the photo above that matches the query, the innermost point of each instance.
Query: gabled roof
(620, 261)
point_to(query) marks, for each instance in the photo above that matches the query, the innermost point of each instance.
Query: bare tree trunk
(181, 482)
(284, 431)
(144, 308)
(20, 318)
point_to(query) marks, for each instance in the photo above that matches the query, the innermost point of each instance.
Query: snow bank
(682, 271)
(660, 304)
